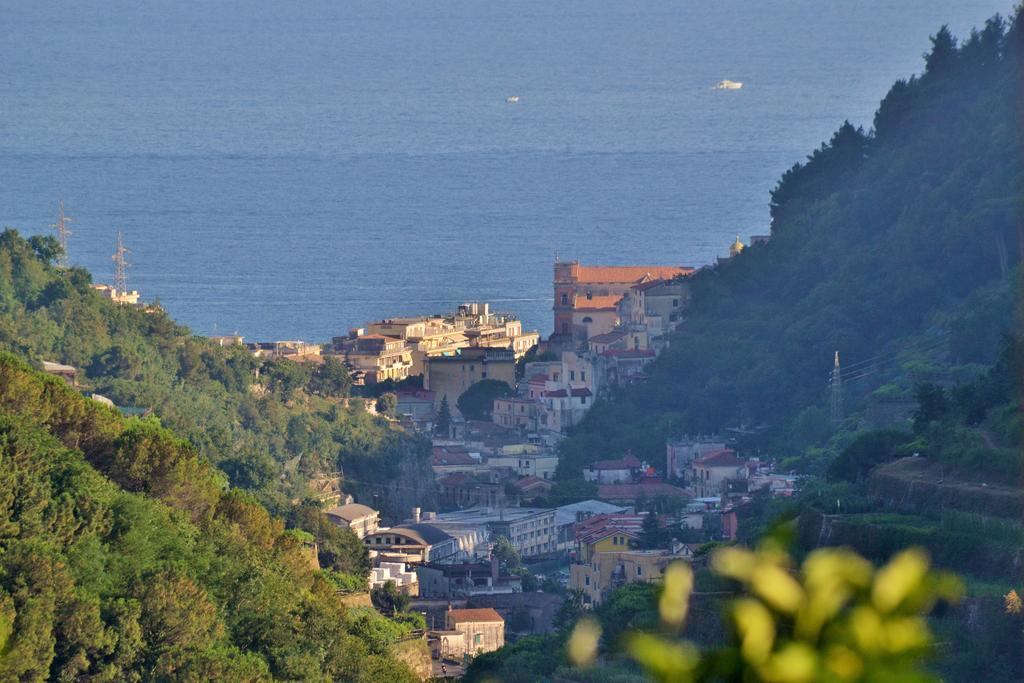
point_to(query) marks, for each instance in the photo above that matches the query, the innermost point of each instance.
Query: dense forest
(899, 247)
(268, 425)
(125, 556)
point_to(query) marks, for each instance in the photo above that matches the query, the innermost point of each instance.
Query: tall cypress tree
(444, 418)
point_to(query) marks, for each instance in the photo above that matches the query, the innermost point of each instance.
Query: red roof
(632, 491)
(582, 391)
(555, 393)
(457, 479)
(442, 456)
(595, 528)
(725, 457)
(625, 274)
(533, 482)
(538, 379)
(476, 615)
(627, 463)
(596, 303)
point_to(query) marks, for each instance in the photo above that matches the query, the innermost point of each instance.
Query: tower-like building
(588, 296)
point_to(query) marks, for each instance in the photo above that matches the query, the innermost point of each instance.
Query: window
(675, 303)
(583, 375)
(583, 400)
(477, 638)
(565, 299)
(590, 295)
(586, 580)
(587, 319)
(483, 374)
(639, 570)
(572, 375)
(565, 328)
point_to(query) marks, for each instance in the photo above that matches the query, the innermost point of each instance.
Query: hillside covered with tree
(124, 556)
(898, 246)
(268, 425)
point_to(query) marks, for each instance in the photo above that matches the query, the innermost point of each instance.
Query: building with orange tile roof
(469, 632)
(587, 297)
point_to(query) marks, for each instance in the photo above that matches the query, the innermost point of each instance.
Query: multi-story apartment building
(607, 556)
(516, 413)
(426, 337)
(532, 531)
(379, 358)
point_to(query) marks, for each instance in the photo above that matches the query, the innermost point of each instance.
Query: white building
(405, 581)
(679, 455)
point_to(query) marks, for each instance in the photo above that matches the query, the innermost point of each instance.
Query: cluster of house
(451, 351)
(487, 486)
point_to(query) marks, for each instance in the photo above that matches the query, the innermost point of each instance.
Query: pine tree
(651, 536)
(444, 418)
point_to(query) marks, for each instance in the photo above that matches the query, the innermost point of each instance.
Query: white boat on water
(728, 85)
(512, 99)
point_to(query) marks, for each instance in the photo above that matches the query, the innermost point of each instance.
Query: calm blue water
(290, 169)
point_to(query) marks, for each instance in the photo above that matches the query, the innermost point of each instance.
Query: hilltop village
(494, 561)
(496, 558)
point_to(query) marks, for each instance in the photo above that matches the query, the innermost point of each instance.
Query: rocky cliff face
(396, 484)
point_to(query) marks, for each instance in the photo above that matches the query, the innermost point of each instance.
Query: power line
(921, 345)
(62, 234)
(121, 265)
(837, 392)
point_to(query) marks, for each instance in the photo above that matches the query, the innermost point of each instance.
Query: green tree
(387, 404)
(652, 536)
(477, 402)
(444, 418)
(866, 451)
(507, 553)
(932, 405)
(390, 599)
(331, 379)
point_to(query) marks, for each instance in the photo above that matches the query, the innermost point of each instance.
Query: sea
(289, 170)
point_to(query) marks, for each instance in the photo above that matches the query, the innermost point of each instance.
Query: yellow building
(473, 325)
(607, 556)
(361, 519)
(451, 375)
(607, 571)
(379, 358)
(469, 632)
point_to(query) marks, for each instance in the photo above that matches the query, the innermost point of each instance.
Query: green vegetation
(255, 420)
(125, 556)
(444, 418)
(898, 246)
(477, 402)
(835, 618)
